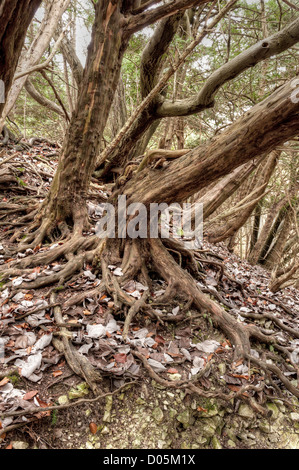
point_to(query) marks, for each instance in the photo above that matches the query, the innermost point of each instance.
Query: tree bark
(259, 131)
(240, 214)
(35, 52)
(226, 187)
(274, 256)
(262, 243)
(162, 107)
(15, 17)
(66, 199)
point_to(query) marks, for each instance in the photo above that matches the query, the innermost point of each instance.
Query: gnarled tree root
(77, 362)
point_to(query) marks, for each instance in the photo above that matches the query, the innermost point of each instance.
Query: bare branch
(140, 21)
(291, 4)
(41, 99)
(265, 48)
(38, 67)
(144, 6)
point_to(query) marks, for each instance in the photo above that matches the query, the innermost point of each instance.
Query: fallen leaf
(93, 428)
(120, 358)
(28, 296)
(172, 370)
(240, 376)
(159, 339)
(57, 373)
(238, 363)
(4, 381)
(234, 388)
(87, 312)
(43, 404)
(199, 408)
(30, 395)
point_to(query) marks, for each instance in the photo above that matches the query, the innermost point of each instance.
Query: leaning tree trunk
(226, 187)
(274, 255)
(35, 52)
(260, 130)
(15, 17)
(160, 107)
(236, 218)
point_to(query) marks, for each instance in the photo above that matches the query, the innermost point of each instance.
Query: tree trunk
(134, 142)
(260, 130)
(66, 201)
(262, 244)
(256, 225)
(162, 107)
(274, 256)
(225, 187)
(15, 17)
(240, 214)
(35, 52)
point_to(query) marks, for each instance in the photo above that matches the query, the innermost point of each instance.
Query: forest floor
(149, 377)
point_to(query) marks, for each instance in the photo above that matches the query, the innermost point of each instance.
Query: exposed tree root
(179, 268)
(77, 362)
(181, 285)
(191, 388)
(37, 410)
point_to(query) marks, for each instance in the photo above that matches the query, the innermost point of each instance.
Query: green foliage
(54, 417)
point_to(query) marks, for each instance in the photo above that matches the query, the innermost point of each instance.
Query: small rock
(19, 445)
(265, 427)
(158, 415)
(174, 377)
(63, 400)
(294, 416)
(275, 411)
(246, 411)
(184, 417)
(231, 443)
(105, 430)
(216, 443)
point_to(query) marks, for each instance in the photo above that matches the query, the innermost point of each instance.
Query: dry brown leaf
(30, 395)
(93, 428)
(4, 381)
(199, 408)
(87, 312)
(57, 373)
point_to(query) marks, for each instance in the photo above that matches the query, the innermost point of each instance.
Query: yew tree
(63, 215)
